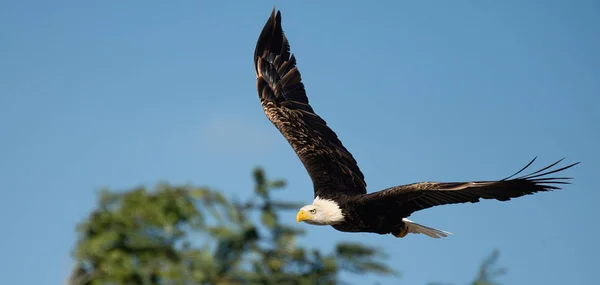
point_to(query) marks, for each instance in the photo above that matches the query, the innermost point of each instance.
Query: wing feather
(332, 168)
(418, 196)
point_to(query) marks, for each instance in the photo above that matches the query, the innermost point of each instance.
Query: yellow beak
(302, 215)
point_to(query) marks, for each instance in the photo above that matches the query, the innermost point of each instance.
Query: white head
(321, 212)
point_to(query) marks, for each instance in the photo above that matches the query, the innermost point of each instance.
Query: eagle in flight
(340, 194)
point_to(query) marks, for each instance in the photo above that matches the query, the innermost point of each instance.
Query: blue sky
(128, 93)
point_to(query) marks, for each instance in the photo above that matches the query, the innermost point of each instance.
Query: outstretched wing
(331, 167)
(418, 196)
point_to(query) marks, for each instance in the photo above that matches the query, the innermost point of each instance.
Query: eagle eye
(313, 211)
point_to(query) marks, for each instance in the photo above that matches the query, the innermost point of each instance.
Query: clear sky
(128, 93)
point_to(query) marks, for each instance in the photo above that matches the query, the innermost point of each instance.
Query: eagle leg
(403, 232)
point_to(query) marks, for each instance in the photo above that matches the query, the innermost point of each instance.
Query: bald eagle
(340, 196)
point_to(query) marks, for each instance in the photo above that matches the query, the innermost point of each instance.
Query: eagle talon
(402, 233)
(340, 191)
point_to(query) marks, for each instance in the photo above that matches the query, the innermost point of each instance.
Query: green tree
(190, 235)
(487, 271)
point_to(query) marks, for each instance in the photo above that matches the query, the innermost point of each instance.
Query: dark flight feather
(418, 196)
(335, 173)
(331, 167)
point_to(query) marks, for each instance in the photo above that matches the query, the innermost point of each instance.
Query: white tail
(421, 229)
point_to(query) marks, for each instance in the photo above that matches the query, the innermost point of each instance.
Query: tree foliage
(487, 271)
(190, 235)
